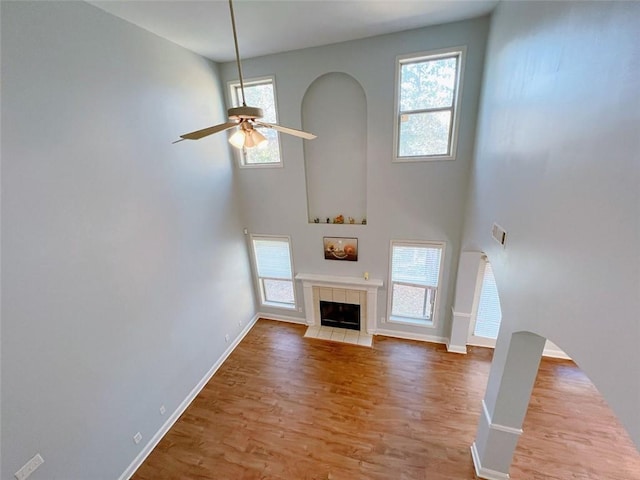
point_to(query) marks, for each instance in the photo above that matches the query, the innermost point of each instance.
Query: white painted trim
(461, 51)
(281, 318)
(153, 442)
(370, 287)
(460, 314)
(553, 353)
(338, 281)
(411, 336)
(256, 277)
(482, 472)
(417, 243)
(456, 348)
(497, 426)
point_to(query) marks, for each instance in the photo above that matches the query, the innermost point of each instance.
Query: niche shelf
(334, 107)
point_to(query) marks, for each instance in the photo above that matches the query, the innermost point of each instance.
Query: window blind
(273, 259)
(416, 264)
(489, 313)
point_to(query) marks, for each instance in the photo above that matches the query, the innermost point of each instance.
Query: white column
(466, 284)
(459, 332)
(513, 373)
(308, 303)
(372, 309)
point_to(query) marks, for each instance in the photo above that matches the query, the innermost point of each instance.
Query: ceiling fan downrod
(235, 42)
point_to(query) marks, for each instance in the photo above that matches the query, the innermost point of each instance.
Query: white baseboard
(148, 448)
(411, 336)
(482, 472)
(456, 348)
(490, 343)
(496, 426)
(282, 318)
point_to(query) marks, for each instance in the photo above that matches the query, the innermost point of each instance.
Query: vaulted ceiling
(268, 26)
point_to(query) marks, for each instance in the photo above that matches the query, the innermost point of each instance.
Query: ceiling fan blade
(290, 131)
(198, 134)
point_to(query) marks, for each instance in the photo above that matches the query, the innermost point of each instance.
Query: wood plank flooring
(287, 407)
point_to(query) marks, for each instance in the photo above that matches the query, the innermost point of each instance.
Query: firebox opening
(341, 315)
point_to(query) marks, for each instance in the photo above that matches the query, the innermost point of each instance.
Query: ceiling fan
(246, 118)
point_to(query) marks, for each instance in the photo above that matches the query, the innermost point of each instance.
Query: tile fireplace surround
(342, 289)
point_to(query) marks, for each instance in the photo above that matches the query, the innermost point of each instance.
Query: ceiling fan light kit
(247, 137)
(244, 117)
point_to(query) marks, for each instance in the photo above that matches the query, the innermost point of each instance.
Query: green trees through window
(428, 87)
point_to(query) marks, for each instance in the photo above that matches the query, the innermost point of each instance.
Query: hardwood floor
(287, 407)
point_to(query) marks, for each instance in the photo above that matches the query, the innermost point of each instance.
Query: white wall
(558, 165)
(123, 260)
(414, 201)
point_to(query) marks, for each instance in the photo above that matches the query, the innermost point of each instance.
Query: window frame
(396, 319)
(460, 52)
(258, 280)
(235, 100)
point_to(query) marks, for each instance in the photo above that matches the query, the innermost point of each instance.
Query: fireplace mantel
(369, 287)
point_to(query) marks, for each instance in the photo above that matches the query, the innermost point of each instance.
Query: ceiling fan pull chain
(235, 41)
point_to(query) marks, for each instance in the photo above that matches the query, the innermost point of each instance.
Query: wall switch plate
(29, 467)
(137, 438)
(245, 231)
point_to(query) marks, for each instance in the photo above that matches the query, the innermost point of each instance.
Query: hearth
(341, 315)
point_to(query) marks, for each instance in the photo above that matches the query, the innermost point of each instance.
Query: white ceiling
(268, 26)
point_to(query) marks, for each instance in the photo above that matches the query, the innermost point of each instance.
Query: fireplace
(351, 291)
(341, 315)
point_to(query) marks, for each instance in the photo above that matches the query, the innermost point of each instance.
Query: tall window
(488, 312)
(427, 105)
(260, 93)
(414, 280)
(274, 271)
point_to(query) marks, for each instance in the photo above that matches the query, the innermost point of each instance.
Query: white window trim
(409, 321)
(256, 278)
(455, 123)
(237, 153)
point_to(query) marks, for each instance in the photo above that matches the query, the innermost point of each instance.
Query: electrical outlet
(162, 410)
(240, 323)
(137, 438)
(29, 467)
(226, 338)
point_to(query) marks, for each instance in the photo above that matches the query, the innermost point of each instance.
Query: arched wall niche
(334, 108)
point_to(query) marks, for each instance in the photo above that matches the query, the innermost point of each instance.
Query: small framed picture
(340, 248)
